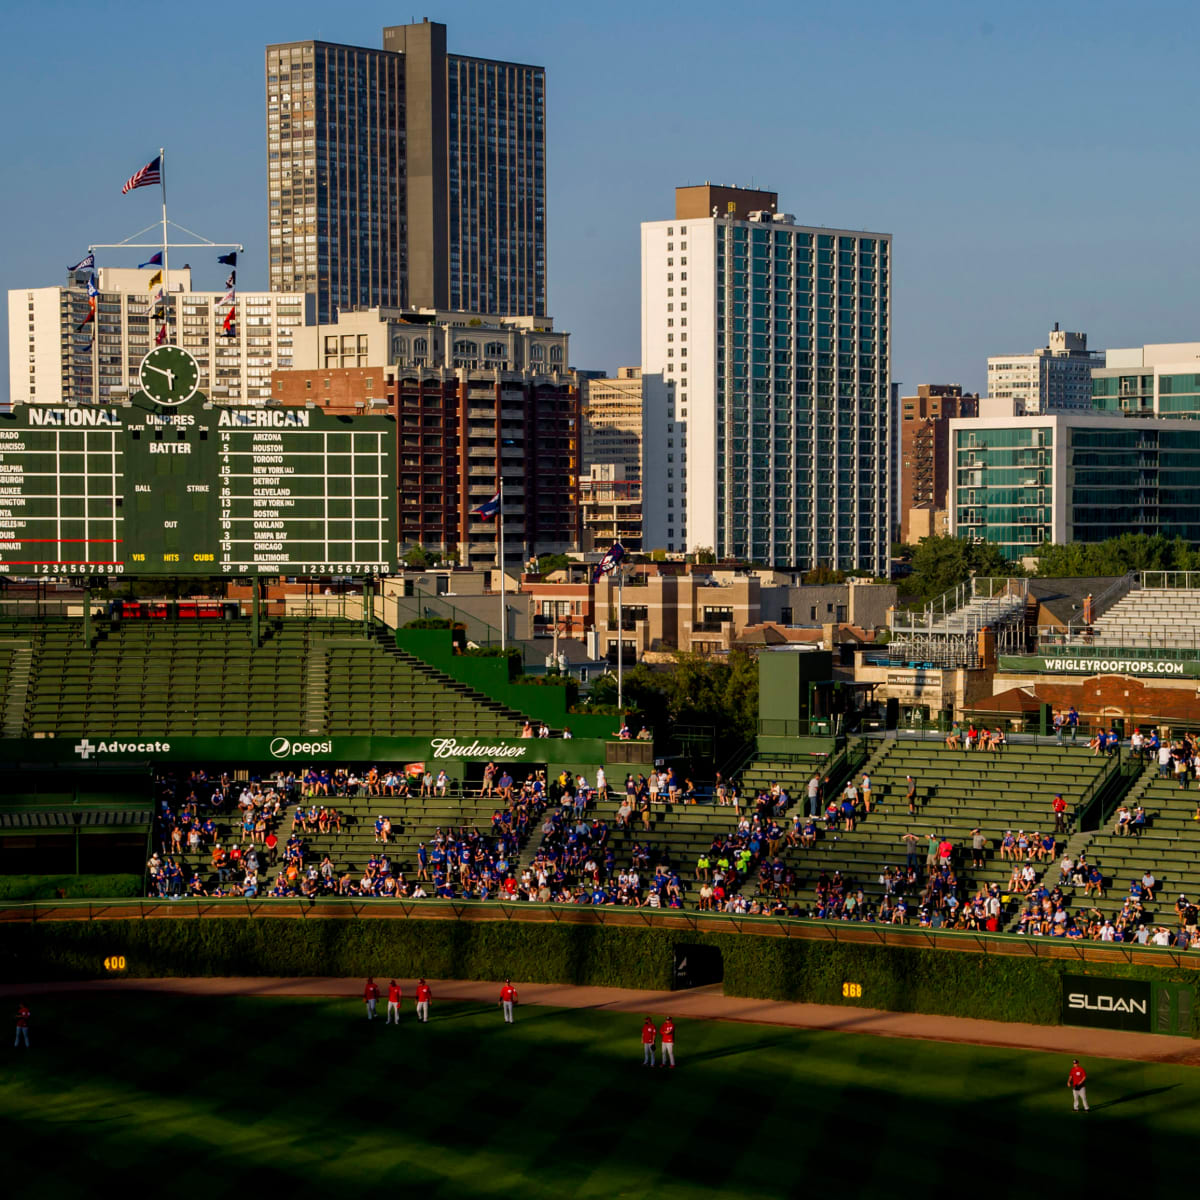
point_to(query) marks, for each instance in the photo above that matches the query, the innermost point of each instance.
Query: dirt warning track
(699, 1004)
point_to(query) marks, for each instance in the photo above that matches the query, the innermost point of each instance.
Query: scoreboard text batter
(149, 489)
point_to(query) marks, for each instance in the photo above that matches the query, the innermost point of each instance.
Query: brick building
(925, 453)
(458, 432)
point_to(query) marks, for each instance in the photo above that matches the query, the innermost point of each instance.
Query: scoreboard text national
(179, 489)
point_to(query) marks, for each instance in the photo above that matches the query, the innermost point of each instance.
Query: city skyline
(980, 140)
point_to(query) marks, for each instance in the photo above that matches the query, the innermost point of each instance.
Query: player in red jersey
(1077, 1081)
(508, 997)
(668, 1042)
(22, 1037)
(371, 996)
(649, 1037)
(424, 995)
(393, 1003)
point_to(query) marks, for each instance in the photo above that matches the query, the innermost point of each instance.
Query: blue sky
(1034, 162)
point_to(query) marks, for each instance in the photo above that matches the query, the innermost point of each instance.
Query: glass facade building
(767, 400)
(1019, 482)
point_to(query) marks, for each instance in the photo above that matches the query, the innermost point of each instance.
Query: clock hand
(158, 370)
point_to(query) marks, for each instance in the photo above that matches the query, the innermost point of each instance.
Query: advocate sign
(1106, 1003)
(1099, 664)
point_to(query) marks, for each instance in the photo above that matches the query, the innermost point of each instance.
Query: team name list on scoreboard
(148, 489)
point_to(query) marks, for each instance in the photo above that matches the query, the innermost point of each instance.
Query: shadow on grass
(1129, 1097)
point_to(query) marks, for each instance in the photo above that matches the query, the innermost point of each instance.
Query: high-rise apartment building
(1056, 378)
(406, 175)
(925, 448)
(1158, 380)
(54, 359)
(766, 358)
(612, 420)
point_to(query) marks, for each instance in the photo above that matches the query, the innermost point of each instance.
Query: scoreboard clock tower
(169, 375)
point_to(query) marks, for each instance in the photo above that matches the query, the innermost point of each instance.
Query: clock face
(169, 375)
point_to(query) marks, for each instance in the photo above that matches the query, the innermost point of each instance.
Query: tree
(703, 554)
(547, 563)
(1116, 556)
(418, 558)
(821, 574)
(941, 563)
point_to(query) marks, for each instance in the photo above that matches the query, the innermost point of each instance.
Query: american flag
(149, 175)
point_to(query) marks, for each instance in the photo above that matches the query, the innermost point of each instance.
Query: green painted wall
(491, 677)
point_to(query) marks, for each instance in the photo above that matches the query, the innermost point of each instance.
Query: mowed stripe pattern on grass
(305, 1094)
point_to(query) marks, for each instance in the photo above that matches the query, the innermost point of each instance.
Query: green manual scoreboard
(180, 487)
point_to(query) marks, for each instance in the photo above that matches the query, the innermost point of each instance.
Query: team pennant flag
(155, 260)
(609, 563)
(488, 509)
(232, 280)
(84, 264)
(230, 259)
(90, 317)
(228, 298)
(155, 280)
(161, 336)
(229, 328)
(149, 175)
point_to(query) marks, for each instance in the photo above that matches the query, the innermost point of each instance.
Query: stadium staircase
(16, 665)
(678, 833)
(956, 792)
(1170, 847)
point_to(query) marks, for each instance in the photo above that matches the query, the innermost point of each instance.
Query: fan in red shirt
(424, 995)
(649, 1037)
(371, 995)
(1076, 1081)
(22, 1037)
(508, 997)
(668, 1042)
(393, 1003)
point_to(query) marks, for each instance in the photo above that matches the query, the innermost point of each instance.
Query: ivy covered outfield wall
(950, 982)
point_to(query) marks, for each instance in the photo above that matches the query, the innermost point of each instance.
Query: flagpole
(162, 179)
(503, 604)
(621, 643)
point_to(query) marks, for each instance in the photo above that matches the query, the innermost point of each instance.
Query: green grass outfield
(173, 1094)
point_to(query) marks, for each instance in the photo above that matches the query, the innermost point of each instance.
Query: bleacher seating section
(956, 792)
(1149, 617)
(150, 678)
(1169, 847)
(677, 835)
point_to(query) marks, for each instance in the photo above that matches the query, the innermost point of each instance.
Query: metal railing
(1171, 579)
(1115, 591)
(1053, 642)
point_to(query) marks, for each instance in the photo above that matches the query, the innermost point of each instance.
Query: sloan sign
(1106, 1003)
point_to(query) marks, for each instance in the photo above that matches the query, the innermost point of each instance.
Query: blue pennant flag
(609, 563)
(230, 259)
(155, 260)
(488, 509)
(84, 264)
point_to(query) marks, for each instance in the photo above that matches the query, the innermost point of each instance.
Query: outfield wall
(965, 982)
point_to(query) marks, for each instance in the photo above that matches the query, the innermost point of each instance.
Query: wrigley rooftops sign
(1101, 664)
